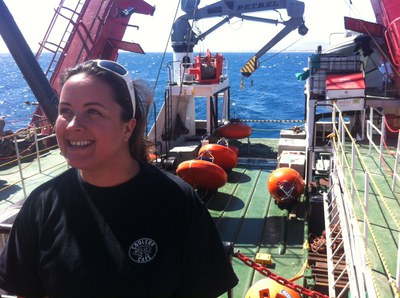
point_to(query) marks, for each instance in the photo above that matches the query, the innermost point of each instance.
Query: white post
(353, 170)
(383, 135)
(396, 164)
(19, 164)
(398, 266)
(366, 199)
(37, 149)
(371, 123)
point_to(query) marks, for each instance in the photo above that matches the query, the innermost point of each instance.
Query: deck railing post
(383, 134)
(19, 165)
(37, 149)
(396, 165)
(398, 266)
(371, 122)
(366, 203)
(342, 135)
(353, 170)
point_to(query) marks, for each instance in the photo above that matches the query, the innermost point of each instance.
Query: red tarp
(345, 81)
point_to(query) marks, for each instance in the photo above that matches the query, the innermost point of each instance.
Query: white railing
(372, 130)
(26, 162)
(346, 162)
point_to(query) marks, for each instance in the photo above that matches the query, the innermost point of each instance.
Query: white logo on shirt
(143, 250)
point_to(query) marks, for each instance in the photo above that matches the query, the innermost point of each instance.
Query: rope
(281, 51)
(272, 121)
(389, 128)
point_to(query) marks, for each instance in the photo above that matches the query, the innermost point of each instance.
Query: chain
(279, 279)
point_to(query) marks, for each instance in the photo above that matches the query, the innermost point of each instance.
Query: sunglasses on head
(121, 72)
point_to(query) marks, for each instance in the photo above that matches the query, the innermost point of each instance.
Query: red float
(235, 130)
(202, 174)
(222, 155)
(285, 185)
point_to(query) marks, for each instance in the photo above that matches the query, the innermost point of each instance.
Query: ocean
(270, 95)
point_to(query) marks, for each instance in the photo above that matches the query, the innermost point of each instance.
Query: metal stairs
(59, 31)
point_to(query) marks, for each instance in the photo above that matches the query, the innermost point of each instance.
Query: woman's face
(90, 132)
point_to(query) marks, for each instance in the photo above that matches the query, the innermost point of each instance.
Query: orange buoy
(202, 174)
(285, 185)
(222, 155)
(267, 287)
(151, 156)
(235, 130)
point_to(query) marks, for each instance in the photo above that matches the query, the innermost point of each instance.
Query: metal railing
(382, 132)
(26, 163)
(347, 162)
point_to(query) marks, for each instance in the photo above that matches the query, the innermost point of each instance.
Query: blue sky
(322, 17)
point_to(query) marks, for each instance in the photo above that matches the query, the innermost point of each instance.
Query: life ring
(202, 174)
(285, 185)
(222, 155)
(235, 130)
(267, 287)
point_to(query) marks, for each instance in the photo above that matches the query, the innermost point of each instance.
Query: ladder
(59, 31)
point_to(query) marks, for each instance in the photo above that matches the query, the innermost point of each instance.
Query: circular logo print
(143, 250)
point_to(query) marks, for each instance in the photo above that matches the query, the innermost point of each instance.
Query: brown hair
(138, 143)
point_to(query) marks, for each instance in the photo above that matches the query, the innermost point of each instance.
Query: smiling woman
(99, 229)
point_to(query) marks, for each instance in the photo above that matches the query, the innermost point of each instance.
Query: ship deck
(377, 208)
(247, 216)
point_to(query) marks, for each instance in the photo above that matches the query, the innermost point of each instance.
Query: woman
(112, 225)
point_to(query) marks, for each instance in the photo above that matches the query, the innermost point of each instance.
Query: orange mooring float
(202, 174)
(269, 288)
(235, 130)
(285, 185)
(222, 155)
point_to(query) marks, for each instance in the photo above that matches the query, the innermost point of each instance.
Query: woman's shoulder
(60, 183)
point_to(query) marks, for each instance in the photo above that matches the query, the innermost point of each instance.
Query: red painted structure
(207, 69)
(387, 14)
(92, 29)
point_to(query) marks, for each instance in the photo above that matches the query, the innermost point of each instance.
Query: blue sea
(271, 93)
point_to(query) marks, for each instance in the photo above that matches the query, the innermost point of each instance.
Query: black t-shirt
(149, 237)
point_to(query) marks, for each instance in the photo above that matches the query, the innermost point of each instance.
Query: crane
(184, 39)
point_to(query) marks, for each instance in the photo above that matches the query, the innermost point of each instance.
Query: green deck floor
(246, 215)
(383, 215)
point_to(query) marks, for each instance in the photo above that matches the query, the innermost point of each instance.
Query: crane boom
(184, 39)
(251, 65)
